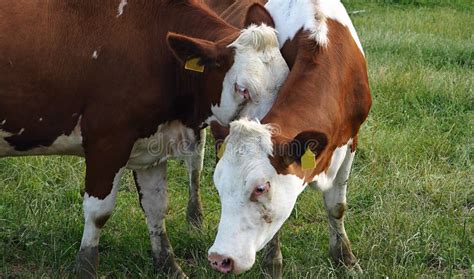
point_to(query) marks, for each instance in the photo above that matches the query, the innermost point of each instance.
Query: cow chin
(244, 263)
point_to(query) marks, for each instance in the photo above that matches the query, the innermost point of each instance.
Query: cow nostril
(226, 262)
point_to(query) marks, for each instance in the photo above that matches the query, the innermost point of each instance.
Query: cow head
(258, 187)
(242, 72)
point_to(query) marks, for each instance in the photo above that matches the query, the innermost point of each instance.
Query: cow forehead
(256, 54)
(247, 151)
(247, 138)
(261, 38)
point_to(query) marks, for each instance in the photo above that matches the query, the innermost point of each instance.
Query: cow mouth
(239, 110)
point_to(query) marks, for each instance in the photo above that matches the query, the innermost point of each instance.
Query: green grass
(411, 197)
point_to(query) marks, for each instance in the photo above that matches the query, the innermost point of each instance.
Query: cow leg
(195, 164)
(335, 203)
(273, 259)
(97, 210)
(153, 191)
(96, 213)
(105, 162)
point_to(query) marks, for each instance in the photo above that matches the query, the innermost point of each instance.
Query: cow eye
(259, 190)
(242, 91)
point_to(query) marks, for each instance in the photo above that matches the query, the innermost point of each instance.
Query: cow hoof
(194, 214)
(87, 262)
(358, 269)
(347, 259)
(177, 273)
(182, 275)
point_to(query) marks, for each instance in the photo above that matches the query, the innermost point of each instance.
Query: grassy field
(411, 197)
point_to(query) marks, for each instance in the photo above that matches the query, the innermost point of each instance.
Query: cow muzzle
(221, 263)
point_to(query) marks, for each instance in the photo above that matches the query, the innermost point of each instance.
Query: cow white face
(252, 83)
(240, 79)
(255, 199)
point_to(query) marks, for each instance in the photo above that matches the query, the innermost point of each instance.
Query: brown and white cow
(108, 81)
(309, 137)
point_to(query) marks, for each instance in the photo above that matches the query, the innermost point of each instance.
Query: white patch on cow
(171, 139)
(243, 230)
(63, 145)
(292, 15)
(336, 193)
(95, 55)
(154, 201)
(94, 209)
(40, 119)
(22, 130)
(325, 180)
(258, 67)
(3, 122)
(121, 7)
(211, 119)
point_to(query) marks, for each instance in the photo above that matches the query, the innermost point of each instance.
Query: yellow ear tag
(193, 65)
(221, 151)
(308, 160)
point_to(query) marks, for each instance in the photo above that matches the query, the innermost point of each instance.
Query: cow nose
(221, 263)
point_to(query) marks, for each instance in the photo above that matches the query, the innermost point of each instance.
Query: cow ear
(305, 148)
(194, 53)
(257, 14)
(219, 133)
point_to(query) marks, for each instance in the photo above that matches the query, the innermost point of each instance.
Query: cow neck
(299, 97)
(326, 91)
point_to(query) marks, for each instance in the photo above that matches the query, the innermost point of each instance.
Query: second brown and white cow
(112, 81)
(309, 137)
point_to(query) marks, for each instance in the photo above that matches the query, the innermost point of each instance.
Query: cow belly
(66, 144)
(172, 139)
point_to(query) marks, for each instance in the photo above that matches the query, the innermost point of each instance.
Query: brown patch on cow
(268, 219)
(290, 51)
(234, 11)
(100, 222)
(257, 14)
(219, 6)
(355, 141)
(338, 211)
(327, 90)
